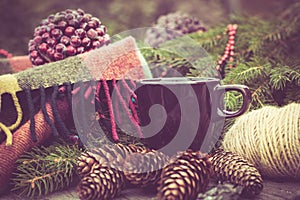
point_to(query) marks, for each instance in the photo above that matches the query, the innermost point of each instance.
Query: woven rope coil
(270, 139)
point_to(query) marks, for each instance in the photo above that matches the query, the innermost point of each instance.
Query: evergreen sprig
(160, 60)
(45, 169)
(266, 57)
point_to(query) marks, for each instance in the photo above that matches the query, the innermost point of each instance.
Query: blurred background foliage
(20, 17)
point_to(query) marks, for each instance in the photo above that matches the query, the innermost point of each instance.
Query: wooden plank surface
(272, 191)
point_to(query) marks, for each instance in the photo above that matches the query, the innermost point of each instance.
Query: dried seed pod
(231, 167)
(101, 171)
(144, 168)
(171, 26)
(114, 155)
(86, 162)
(186, 175)
(101, 183)
(107, 155)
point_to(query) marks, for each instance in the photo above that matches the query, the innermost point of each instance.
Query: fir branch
(162, 60)
(45, 169)
(212, 37)
(262, 95)
(280, 77)
(295, 75)
(290, 19)
(265, 57)
(233, 101)
(249, 72)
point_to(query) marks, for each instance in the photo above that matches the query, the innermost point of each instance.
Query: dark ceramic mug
(180, 113)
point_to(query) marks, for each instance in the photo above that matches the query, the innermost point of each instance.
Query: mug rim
(177, 80)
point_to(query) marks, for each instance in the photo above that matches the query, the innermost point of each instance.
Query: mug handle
(244, 90)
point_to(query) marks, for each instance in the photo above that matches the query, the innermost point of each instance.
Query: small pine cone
(144, 168)
(101, 183)
(186, 175)
(86, 162)
(171, 26)
(231, 167)
(114, 155)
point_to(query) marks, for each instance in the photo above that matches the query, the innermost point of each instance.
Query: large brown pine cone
(112, 155)
(101, 170)
(86, 162)
(187, 175)
(101, 183)
(144, 168)
(231, 167)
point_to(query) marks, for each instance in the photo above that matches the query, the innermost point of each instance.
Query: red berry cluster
(65, 34)
(229, 49)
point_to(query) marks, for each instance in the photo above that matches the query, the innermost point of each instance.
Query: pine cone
(144, 168)
(108, 155)
(186, 175)
(228, 166)
(171, 26)
(168, 27)
(66, 33)
(101, 183)
(86, 162)
(114, 155)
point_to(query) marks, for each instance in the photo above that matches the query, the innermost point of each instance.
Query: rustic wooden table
(272, 191)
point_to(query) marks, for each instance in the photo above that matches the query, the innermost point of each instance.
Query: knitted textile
(11, 84)
(116, 61)
(269, 138)
(14, 64)
(23, 142)
(36, 103)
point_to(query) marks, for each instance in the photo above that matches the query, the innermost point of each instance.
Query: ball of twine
(270, 139)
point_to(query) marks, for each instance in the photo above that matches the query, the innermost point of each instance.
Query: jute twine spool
(270, 139)
(22, 140)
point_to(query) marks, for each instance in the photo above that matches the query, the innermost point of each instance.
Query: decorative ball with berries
(66, 33)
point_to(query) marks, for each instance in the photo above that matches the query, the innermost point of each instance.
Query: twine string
(270, 139)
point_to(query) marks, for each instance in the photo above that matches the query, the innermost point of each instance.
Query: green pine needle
(266, 57)
(45, 169)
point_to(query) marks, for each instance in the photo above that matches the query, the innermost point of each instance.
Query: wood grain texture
(272, 191)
